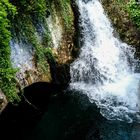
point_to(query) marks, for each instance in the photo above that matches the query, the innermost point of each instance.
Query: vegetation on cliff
(32, 24)
(7, 73)
(124, 15)
(26, 20)
(133, 8)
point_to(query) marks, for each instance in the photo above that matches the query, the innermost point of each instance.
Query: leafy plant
(28, 28)
(134, 10)
(63, 8)
(7, 73)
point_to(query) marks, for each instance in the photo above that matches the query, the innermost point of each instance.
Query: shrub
(134, 10)
(7, 73)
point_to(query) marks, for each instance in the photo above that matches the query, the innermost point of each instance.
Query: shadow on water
(69, 116)
(73, 117)
(18, 120)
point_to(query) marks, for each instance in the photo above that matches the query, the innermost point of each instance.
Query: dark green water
(73, 117)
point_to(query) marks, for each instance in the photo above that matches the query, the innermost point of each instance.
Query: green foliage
(7, 73)
(63, 8)
(34, 13)
(26, 28)
(40, 54)
(8, 84)
(27, 17)
(67, 16)
(134, 10)
(35, 8)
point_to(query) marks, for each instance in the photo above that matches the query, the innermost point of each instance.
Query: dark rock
(18, 120)
(39, 94)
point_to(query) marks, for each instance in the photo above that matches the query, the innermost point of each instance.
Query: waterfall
(104, 70)
(22, 55)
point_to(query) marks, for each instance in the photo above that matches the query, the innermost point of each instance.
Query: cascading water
(21, 55)
(105, 68)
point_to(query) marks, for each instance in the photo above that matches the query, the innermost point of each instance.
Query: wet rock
(22, 118)
(3, 101)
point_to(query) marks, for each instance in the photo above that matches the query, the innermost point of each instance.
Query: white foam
(21, 56)
(56, 30)
(105, 67)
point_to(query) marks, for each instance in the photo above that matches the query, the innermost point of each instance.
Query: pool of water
(73, 117)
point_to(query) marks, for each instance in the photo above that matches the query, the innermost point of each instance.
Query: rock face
(23, 58)
(42, 43)
(60, 44)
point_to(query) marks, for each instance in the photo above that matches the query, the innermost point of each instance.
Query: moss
(63, 9)
(34, 15)
(27, 28)
(66, 13)
(133, 9)
(7, 73)
(122, 21)
(35, 8)
(26, 19)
